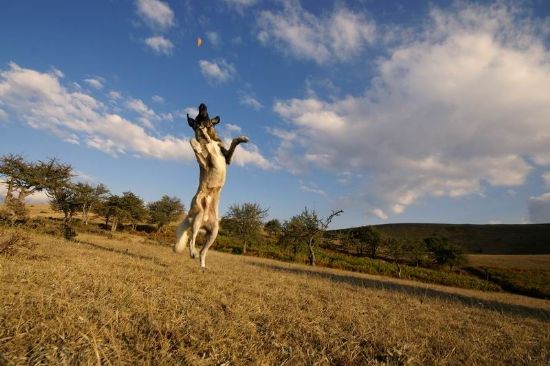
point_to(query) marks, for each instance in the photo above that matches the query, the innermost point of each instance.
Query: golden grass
(530, 262)
(119, 301)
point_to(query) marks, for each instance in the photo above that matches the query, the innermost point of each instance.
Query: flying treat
(199, 41)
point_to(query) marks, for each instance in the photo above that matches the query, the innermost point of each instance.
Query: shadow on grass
(417, 291)
(123, 252)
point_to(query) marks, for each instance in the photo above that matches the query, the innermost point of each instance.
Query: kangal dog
(203, 215)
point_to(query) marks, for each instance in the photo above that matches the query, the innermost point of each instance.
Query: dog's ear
(191, 122)
(215, 120)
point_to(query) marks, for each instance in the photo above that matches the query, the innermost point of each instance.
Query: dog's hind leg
(182, 236)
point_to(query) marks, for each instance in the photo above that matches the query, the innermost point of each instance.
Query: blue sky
(394, 111)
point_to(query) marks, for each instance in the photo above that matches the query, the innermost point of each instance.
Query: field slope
(120, 301)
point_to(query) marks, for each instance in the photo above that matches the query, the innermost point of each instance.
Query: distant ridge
(482, 239)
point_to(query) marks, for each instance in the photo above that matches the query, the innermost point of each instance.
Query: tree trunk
(373, 251)
(85, 211)
(311, 256)
(8, 193)
(23, 193)
(245, 245)
(114, 224)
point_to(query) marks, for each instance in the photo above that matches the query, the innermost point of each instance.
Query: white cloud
(160, 45)
(495, 222)
(250, 101)
(539, 209)
(379, 213)
(337, 37)
(58, 73)
(192, 111)
(114, 95)
(155, 13)
(147, 116)
(3, 115)
(545, 177)
(96, 83)
(240, 5)
(455, 110)
(35, 198)
(214, 38)
(311, 188)
(250, 154)
(157, 99)
(232, 128)
(42, 102)
(217, 71)
(83, 177)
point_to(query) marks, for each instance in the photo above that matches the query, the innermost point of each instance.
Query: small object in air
(199, 41)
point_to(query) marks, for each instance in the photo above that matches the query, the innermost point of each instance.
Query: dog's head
(203, 127)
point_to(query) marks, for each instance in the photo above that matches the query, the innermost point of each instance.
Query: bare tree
(309, 228)
(247, 220)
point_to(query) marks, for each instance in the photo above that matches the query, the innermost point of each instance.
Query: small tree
(164, 211)
(90, 197)
(292, 235)
(445, 253)
(367, 240)
(134, 208)
(308, 227)
(65, 199)
(26, 178)
(247, 221)
(114, 210)
(397, 252)
(273, 227)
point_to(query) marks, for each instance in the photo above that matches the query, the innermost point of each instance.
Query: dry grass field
(121, 301)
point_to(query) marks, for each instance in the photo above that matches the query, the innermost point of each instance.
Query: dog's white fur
(204, 212)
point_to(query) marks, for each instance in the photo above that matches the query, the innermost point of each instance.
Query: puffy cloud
(157, 99)
(251, 102)
(379, 213)
(147, 116)
(114, 95)
(240, 5)
(454, 110)
(232, 128)
(35, 198)
(311, 188)
(214, 38)
(41, 101)
(96, 83)
(155, 13)
(217, 71)
(545, 177)
(337, 37)
(539, 209)
(3, 115)
(249, 153)
(160, 45)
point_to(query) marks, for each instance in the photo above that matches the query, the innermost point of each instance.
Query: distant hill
(487, 239)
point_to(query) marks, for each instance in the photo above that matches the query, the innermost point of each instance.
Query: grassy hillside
(486, 239)
(121, 301)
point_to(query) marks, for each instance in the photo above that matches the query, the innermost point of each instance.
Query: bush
(12, 242)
